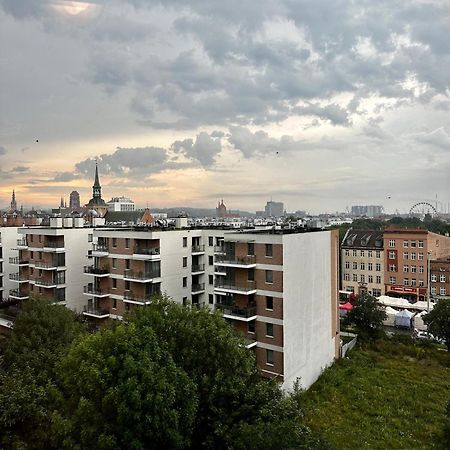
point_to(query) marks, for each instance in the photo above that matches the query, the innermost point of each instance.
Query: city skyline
(318, 108)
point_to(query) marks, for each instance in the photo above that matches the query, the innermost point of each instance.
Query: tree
(121, 389)
(367, 316)
(438, 321)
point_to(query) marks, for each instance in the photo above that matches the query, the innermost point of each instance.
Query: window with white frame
(346, 276)
(413, 282)
(405, 255)
(378, 279)
(392, 268)
(376, 292)
(370, 279)
(392, 280)
(378, 267)
(421, 269)
(362, 252)
(420, 244)
(378, 254)
(420, 256)
(355, 265)
(362, 266)
(355, 253)
(406, 281)
(421, 283)
(433, 278)
(391, 242)
(413, 269)
(413, 244)
(362, 278)
(355, 277)
(413, 256)
(406, 244)
(442, 278)
(442, 291)
(369, 266)
(347, 264)
(391, 255)
(350, 289)
(347, 252)
(369, 253)
(406, 268)
(433, 290)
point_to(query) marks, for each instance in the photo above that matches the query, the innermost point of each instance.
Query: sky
(319, 104)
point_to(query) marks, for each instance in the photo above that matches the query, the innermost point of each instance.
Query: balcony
(47, 266)
(198, 249)
(95, 312)
(219, 249)
(230, 311)
(136, 299)
(198, 288)
(90, 290)
(250, 343)
(146, 253)
(16, 261)
(243, 262)
(50, 246)
(16, 294)
(6, 321)
(142, 277)
(100, 250)
(97, 271)
(198, 269)
(18, 278)
(22, 244)
(227, 287)
(49, 284)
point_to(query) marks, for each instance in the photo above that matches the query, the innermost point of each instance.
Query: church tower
(13, 202)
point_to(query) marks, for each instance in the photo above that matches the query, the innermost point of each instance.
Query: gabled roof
(363, 239)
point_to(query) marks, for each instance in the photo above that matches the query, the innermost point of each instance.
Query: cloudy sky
(320, 104)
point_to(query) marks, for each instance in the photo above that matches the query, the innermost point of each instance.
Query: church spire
(96, 188)
(96, 181)
(13, 201)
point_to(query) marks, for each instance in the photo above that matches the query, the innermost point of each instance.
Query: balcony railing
(141, 275)
(233, 310)
(198, 287)
(101, 248)
(198, 248)
(22, 243)
(238, 261)
(137, 298)
(198, 268)
(96, 270)
(146, 251)
(96, 312)
(228, 285)
(91, 290)
(47, 283)
(54, 244)
(219, 249)
(17, 277)
(16, 293)
(18, 261)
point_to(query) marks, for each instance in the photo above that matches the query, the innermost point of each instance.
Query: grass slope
(387, 396)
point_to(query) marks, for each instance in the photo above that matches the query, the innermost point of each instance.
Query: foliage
(367, 316)
(438, 321)
(382, 396)
(446, 427)
(123, 390)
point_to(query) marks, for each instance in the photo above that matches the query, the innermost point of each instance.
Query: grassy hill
(385, 396)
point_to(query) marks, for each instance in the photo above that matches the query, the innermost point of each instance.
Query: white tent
(418, 321)
(403, 318)
(394, 301)
(391, 313)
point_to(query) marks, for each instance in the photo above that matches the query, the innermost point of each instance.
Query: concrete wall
(9, 236)
(309, 340)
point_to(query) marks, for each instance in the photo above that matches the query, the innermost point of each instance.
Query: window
(211, 279)
(378, 254)
(413, 282)
(405, 255)
(362, 266)
(392, 280)
(114, 283)
(31, 237)
(269, 303)
(391, 255)
(185, 242)
(413, 244)
(184, 261)
(413, 256)
(346, 276)
(251, 327)
(376, 292)
(369, 254)
(269, 276)
(250, 248)
(251, 274)
(421, 283)
(127, 264)
(350, 289)
(392, 268)
(269, 357)
(370, 266)
(406, 244)
(347, 264)
(433, 278)
(362, 252)
(184, 281)
(378, 267)
(40, 238)
(90, 237)
(211, 299)
(355, 253)
(347, 252)
(185, 301)
(405, 268)
(421, 268)
(127, 243)
(413, 269)
(269, 250)
(355, 277)
(378, 279)
(355, 265)
(114, 263)
(269, 329)
(406, 281)
(210, 260)
(442, 278)
(127, 285)
(114, 303)
(391, 242)
(370, 279)
(433, 290)
(442, 291)
(362, 278)
(114, 242)
(420, 257)
(420, 244)
(211, 241)
(31, 255)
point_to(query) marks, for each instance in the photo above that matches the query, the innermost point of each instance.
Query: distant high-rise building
(367, 210)
(74, 200)
(274, 209)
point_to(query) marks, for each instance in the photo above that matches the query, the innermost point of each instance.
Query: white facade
(121, 204)
(8, 244)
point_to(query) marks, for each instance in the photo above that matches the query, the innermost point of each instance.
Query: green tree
(438, 321)
(121, 389)
(367, 316)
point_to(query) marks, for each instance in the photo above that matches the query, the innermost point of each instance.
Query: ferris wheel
(421, 209)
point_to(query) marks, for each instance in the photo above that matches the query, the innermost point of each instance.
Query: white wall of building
(309, 344)
(9, 236)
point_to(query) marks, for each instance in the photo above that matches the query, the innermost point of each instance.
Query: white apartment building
(8, 241)
(121, 204)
